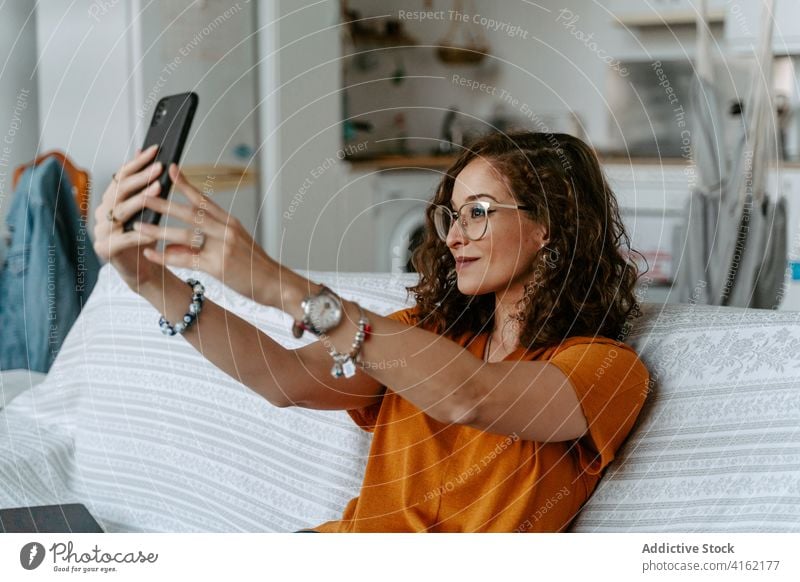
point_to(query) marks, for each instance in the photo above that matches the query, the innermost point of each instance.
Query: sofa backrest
(152, 437)
(716, 447)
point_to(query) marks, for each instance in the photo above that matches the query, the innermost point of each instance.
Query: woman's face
(505, 254)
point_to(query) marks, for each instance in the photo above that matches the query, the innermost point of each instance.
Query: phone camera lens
(161, 111)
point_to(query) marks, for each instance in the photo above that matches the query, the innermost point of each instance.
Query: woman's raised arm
(236, 347)
(284, 377)
(441, 378)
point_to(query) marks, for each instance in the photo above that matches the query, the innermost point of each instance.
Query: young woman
(515, 389)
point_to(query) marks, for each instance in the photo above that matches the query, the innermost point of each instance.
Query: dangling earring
(530, 286)
(551, 257)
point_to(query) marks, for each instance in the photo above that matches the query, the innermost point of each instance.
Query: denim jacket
(49, 270)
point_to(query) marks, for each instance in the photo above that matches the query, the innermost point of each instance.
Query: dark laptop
(69, 518)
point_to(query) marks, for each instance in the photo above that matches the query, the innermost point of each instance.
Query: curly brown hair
(585, 285)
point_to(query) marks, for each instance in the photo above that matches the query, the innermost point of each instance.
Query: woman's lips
(461, 264)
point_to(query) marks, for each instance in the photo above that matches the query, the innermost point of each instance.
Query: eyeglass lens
(472, 221)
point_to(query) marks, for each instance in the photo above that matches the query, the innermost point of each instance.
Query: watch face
(324, 312)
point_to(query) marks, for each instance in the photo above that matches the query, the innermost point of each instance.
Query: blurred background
(324, 126)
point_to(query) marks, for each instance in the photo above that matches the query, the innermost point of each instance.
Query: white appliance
(652, 201)
(401, 197)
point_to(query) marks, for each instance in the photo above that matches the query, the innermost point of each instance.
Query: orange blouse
(426, 476)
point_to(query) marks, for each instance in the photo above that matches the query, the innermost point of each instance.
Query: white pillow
(152, 437)
(717, 445)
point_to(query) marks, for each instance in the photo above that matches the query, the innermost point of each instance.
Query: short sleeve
(367, 417)
(611, 383)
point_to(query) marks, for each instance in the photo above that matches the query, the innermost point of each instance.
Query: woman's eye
(477, 212)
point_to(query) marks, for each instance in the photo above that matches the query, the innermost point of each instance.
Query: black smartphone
(68, 518)
(169, 129)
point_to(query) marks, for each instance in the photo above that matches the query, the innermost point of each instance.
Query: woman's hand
(124, 197)
(215, 243)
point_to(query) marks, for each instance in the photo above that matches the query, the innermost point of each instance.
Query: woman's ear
(539, 234)
(545, 235)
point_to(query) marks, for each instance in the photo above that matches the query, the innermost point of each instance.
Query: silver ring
(198, 241)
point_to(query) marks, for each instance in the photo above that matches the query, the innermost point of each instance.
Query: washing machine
(401, 197)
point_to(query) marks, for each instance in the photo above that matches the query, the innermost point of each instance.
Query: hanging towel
(734, 240)
(770, 279)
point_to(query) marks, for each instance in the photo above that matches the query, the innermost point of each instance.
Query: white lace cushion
(717, 445)
(152, 437)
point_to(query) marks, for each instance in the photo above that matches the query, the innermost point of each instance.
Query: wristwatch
(321, 312)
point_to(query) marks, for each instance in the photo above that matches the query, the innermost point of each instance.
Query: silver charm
(349, 368)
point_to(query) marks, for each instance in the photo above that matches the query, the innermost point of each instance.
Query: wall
(19, 96)
(93, 94)
(104, 65)
(209, 48)
(85, 86)
(309, 191)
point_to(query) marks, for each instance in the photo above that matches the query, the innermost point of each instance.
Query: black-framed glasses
(473, 223)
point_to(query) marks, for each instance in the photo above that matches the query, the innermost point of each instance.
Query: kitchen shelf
(443, 162)
(641, 161)
(370, 39)
(218, 178)
(423, 161)
(398, 162)
(678, 17)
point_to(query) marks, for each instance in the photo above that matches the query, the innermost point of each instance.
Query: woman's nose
(455, 235)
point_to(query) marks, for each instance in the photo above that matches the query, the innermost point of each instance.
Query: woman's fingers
(122, 210)
(127, 208)
(109, 246)
(195, 196)
(175, 255)
(131, 185)
(125, 184)
(172, 234)
(188, 214)
(137, 163)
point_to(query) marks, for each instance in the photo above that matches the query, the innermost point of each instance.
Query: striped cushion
(150, 436)
(717, 446)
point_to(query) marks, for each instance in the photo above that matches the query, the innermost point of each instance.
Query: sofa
(152, 437)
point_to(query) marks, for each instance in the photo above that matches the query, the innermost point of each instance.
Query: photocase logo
(32, 555)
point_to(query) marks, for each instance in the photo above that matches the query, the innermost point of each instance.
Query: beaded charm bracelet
(191, 316)
(345, 364)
